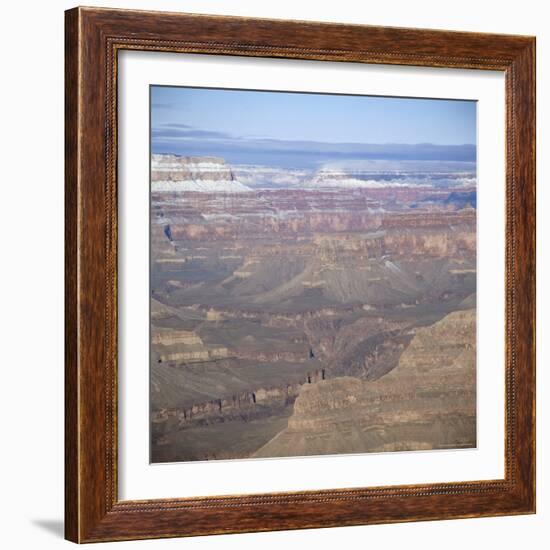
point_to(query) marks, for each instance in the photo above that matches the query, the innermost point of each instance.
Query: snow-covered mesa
(212, 174)
(200, 174)
(202, 186)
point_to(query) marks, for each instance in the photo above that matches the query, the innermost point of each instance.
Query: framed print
(300, 275)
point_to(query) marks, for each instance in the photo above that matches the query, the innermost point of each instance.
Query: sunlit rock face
(426, 402)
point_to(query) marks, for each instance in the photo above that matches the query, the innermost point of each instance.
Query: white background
(32, 275)
(140, 480)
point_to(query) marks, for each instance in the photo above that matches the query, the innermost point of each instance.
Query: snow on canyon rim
(173, 173)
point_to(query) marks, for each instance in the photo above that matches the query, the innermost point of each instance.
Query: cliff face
(208, 174)
(427, 402)
(244, 399)
(454, 228)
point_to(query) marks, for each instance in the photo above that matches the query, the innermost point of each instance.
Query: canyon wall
(426, 402)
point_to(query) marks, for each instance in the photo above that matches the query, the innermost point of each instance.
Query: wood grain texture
(71, 274)
(93, 38)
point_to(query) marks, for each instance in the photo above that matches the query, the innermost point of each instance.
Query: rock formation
(426, 402)
(199, 174)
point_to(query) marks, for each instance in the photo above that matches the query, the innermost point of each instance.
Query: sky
(303, 129)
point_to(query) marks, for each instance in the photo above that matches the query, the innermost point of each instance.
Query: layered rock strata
(427, 402)
(200, 174)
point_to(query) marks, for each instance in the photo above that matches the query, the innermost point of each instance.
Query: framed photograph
(300, 275)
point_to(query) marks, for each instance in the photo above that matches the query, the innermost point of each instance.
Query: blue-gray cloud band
(181, 139)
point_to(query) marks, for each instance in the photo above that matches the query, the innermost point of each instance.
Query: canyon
(322, 313)
(426, 402)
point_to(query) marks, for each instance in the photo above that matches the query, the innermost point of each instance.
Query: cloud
(184, 131)
(175, 134)
(159, 105)
(183, 139)
(175, 125)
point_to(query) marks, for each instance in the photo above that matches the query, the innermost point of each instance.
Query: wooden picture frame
(93, 511)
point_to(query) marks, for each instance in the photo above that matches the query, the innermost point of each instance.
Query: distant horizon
(307, 130)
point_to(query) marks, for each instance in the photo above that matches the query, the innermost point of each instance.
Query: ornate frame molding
(93, 39)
